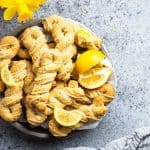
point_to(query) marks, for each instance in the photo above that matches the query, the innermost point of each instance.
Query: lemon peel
(67, 118)
(95, 77)
(88, 60)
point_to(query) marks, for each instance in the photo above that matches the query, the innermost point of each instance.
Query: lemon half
(67, 118)
(88, 60)
(95, 77)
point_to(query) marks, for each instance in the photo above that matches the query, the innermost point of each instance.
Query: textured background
(125, 27)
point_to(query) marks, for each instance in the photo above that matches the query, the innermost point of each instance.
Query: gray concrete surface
(125, 27)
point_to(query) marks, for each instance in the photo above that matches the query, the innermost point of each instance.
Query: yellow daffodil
(34, 5)
(24, 8)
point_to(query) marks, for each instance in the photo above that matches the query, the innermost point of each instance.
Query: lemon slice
(7, 77)
(88, 60)
(95, 77)
(67, 118)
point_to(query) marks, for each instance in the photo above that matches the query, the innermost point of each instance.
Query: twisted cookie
(68, 95)
(9, 46)
(34, 40)
(46, 63)
(10, 105)
(106, 92)
(23, 53)
(58, 130)
(65, 71)
(95, 110)
(50, 22)
(62, 34)
(74, 96)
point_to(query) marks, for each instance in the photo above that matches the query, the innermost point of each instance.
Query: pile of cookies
(57, 74)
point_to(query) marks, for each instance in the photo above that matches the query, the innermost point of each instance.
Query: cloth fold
(138, 140)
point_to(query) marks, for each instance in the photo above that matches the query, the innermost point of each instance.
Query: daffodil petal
(7, 3)
(41, 1)
(24, 13)
(9, 13)
(24, 17)
(24, 8)
(35, 2)
(34, 5)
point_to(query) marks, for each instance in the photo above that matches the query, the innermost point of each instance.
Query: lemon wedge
(67, 118)
(95, 77)
(88, 60)
(7, 77)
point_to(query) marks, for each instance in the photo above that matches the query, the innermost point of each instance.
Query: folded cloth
(139, 140)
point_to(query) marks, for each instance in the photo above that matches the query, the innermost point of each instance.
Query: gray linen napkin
(139, 140)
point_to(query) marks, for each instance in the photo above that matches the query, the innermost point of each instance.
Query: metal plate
(40, 132)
